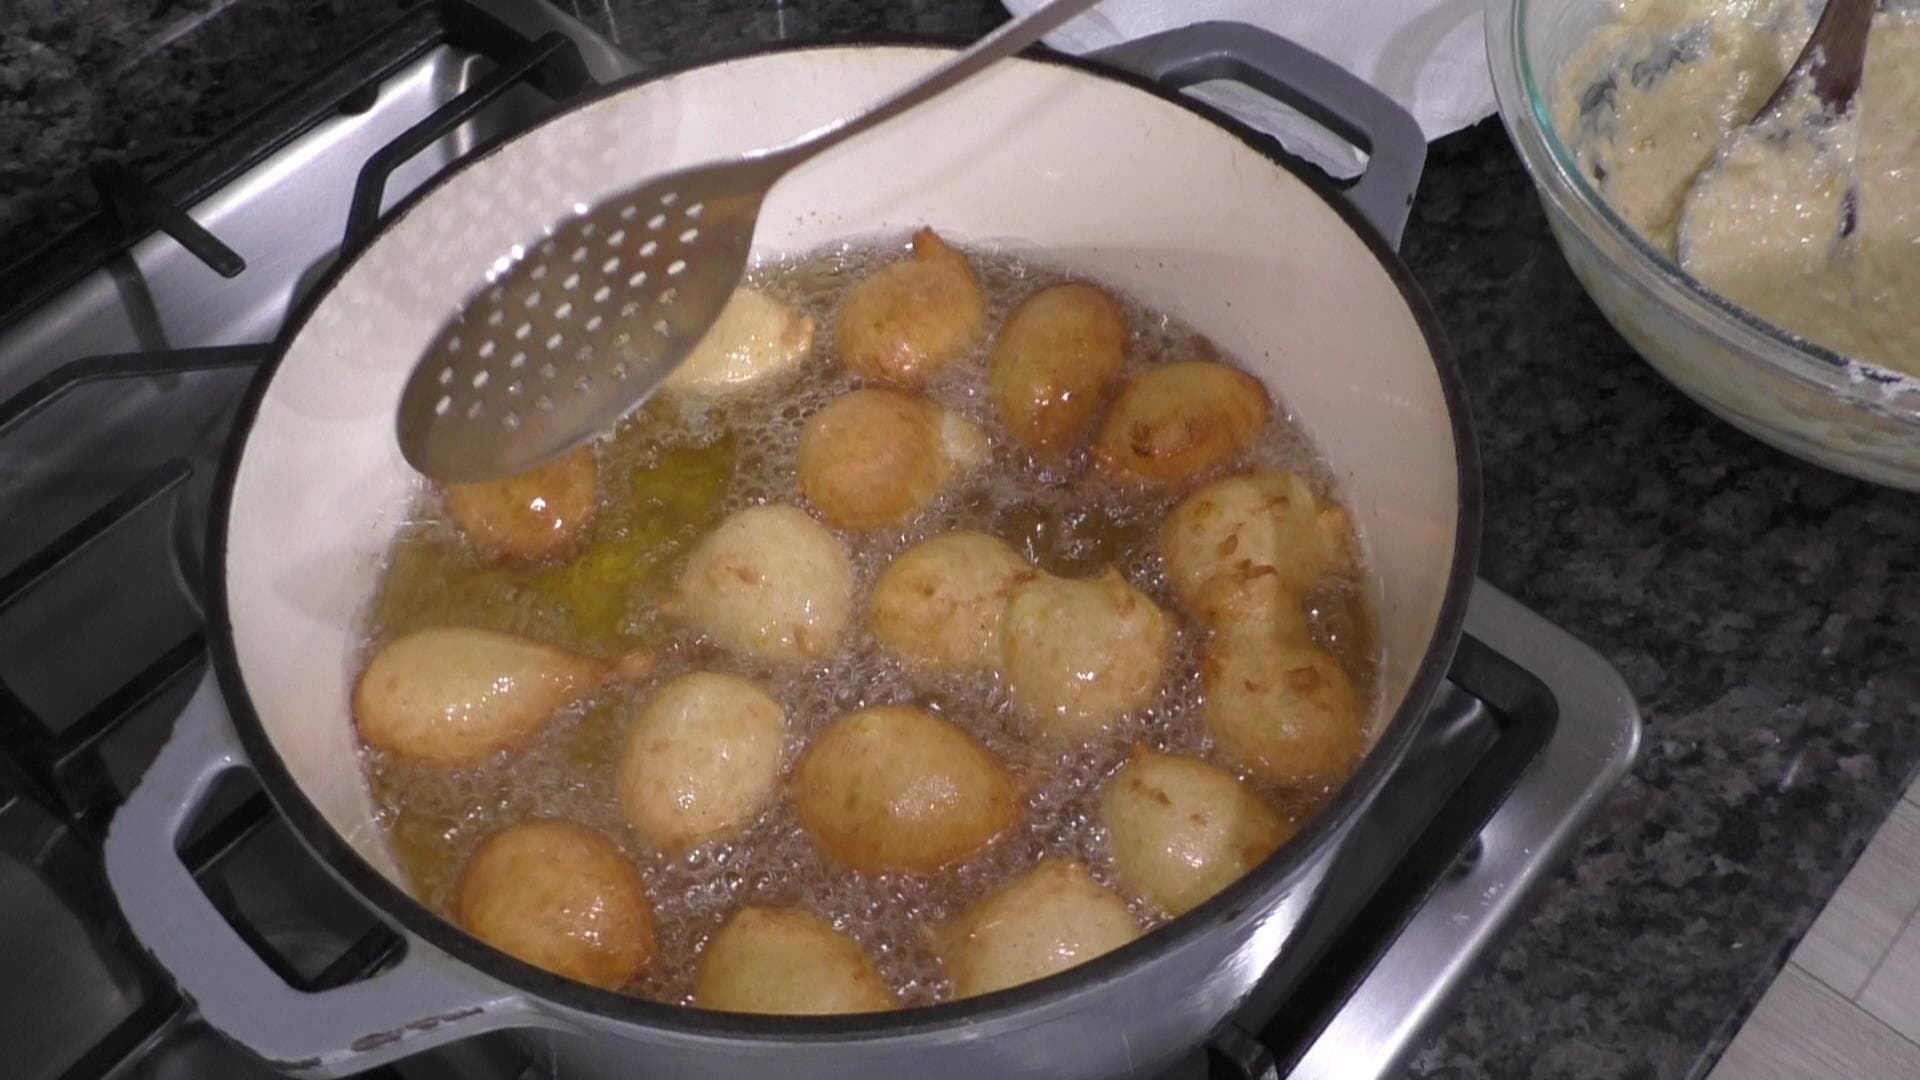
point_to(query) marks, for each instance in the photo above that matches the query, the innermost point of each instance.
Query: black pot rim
(1251, 894)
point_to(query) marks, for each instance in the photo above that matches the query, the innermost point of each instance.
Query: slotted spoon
(583, 328)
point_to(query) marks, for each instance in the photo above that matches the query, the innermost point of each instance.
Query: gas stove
(125, 349)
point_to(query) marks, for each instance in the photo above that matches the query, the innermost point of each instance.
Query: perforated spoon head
(579, 330)
(571, 336)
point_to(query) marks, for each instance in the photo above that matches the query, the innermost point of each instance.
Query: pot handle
(1325, 92)
(420, 1002)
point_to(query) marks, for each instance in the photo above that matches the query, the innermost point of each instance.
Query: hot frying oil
(668, 476)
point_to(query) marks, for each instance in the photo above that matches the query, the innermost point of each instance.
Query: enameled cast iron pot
(1108, 173)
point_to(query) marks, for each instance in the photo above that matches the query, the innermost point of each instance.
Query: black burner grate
(108, 548)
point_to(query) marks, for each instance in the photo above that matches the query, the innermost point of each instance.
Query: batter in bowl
(1653, 99)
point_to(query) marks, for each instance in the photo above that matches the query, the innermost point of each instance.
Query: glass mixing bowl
(1807, 400)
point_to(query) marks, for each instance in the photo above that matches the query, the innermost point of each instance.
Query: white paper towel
(1428, 55)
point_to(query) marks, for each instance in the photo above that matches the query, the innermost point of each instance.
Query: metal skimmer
(589, 322)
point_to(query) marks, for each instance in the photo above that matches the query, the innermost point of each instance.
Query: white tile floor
(1847, 1005)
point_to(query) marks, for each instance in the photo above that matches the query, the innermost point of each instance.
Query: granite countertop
(1761, 609)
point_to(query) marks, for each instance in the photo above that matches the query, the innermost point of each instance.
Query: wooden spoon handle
(1834, 56)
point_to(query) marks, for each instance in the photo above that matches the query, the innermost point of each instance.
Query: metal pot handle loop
(420, 1002)
(1325, 92)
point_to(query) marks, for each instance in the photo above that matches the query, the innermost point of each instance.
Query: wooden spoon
(1830, 67)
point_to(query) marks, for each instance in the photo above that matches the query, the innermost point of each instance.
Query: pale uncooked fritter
(938, 604)
(454, 696)
(771, 584)
(756, 339)
(1080, 653)
(785, 961)
(1052, 918)
(1180, 830)
(701, 758)
(1281, 708)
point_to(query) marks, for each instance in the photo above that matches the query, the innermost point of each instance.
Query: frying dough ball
(1181, 830)
(786, 962)
(1282, 708)
(938, 604)
(1243, 543)
(1050, 919)
(878, 457)
(757, 338)
(540, 514)
(561, 897)
(1173, 423)
(1079, 653)
(911, 318)
(1052, 362)
(456, 696)
(769, 583)
(701, 759)
(893, 788)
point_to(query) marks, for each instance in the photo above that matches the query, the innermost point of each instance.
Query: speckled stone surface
(1767, 614)
(1763, 611)
(142, 83)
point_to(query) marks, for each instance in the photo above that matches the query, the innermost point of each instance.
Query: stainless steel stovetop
(124, 352)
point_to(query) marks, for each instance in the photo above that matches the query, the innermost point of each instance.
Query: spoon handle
(1010, 38)
(1840, 37)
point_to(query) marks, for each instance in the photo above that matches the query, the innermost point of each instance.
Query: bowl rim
(1524, 108)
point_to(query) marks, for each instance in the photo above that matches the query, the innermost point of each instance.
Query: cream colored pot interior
(1106, 179)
